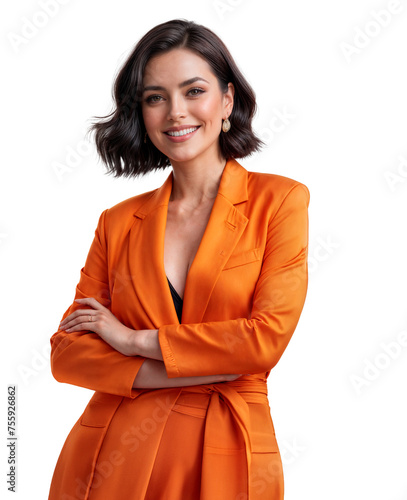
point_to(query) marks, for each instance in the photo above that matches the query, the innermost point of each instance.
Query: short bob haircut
(119, 136)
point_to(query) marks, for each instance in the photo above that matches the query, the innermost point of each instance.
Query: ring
(90, 318)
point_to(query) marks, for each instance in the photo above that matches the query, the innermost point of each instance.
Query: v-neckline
(175, 291)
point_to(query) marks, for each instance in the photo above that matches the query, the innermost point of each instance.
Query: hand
(102, 322)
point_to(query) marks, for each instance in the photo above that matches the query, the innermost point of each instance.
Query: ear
(228, 99)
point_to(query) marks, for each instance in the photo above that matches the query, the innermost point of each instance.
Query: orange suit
(243, 298)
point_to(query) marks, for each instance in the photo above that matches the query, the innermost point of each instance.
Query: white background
(338, 400)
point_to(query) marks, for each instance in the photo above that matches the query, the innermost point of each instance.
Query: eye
(153, 98)
(195, 92)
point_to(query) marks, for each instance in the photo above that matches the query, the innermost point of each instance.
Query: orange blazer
(243, 298)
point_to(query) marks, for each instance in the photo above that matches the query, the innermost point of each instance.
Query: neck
(198, 182)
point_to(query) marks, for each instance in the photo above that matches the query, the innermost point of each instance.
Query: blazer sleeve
(83, 358)
(252, 345)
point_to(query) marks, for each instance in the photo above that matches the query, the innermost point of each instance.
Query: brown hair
(119, 136)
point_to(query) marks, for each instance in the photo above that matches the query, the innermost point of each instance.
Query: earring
(145, 138)
(226, 125)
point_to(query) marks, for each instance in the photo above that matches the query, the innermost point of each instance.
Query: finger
(75, 314)
(80, 323)
(84, 317)
(91, 301)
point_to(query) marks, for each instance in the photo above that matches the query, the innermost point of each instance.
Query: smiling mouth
(180, 133)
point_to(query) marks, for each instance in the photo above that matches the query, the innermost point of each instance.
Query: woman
(190, 293)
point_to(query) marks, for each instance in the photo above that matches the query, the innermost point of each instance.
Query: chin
(182, 156)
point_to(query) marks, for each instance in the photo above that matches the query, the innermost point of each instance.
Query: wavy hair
(119, 136)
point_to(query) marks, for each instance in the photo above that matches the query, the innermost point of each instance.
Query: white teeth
(182, 132)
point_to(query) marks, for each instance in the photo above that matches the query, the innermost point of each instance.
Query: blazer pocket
(263, 437)
(242, 258)
(100, 410)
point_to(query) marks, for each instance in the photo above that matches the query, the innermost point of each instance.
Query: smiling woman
(121, 136)
(190, 293)
(205, 106)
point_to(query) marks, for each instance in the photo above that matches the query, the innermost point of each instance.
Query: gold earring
(226, 125)
(145, 138)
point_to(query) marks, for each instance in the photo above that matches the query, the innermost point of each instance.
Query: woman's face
(183, 106)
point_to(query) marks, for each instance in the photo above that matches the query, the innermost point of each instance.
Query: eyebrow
(183, 84)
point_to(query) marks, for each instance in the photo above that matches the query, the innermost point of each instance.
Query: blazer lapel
(146, 258)
(146, 249)
(225, 227)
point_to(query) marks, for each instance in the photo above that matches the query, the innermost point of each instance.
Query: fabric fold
(228, 410)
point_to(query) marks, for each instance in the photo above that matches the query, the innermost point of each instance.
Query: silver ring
(90, 319)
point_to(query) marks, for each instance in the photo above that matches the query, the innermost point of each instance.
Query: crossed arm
(101, 353)
(152, 373)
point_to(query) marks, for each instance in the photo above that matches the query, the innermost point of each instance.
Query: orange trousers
(176, 473)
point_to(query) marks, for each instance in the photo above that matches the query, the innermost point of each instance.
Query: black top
(177, 301)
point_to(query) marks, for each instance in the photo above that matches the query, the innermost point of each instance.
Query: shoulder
(274, 188)
(118, 219)
(131, 205)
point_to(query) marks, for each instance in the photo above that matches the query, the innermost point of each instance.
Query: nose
(176, 109)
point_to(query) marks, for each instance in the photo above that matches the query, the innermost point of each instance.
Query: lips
(180, 132)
